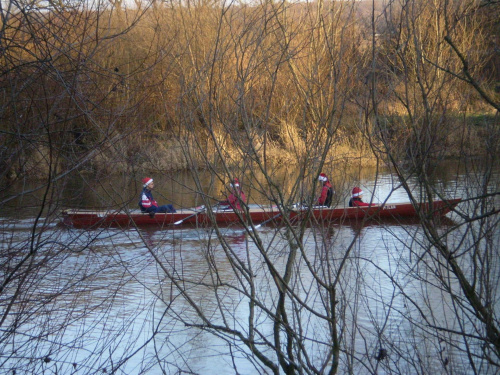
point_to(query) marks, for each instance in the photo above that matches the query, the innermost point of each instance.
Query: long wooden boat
(258, 215)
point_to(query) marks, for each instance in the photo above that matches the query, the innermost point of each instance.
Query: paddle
(190, 216)
(268, 220)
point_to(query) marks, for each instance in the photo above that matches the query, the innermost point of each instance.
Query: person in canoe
(148, 203)
(326, 196)
(235, 198)
(357, 198)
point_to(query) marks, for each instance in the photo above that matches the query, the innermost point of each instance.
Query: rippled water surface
(116, 291)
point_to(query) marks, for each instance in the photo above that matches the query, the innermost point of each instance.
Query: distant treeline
(178, 85)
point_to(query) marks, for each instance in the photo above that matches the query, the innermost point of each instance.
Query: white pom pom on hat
(356, 192)
(146, 181)
(322, 177)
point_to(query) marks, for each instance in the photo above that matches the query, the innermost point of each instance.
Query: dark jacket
(325, 199)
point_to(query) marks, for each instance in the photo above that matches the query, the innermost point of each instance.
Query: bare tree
(298, 277)
(63, 109)
(248, 91)
(427, 63)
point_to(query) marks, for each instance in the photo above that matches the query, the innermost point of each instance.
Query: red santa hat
(322, 177)
(356, 192)
(146, 181)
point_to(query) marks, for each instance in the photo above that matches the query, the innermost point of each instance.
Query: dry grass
(154, 152)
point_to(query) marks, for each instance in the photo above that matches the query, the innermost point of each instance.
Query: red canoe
(93, 219)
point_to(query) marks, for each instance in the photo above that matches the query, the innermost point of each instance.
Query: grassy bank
(156, 152)
(152, 151)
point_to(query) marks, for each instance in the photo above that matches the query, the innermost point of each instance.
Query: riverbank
(158, 152)
(152, 151)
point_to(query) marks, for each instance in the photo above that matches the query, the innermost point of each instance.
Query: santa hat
(235, 183)
(356, 192)
(146, 181)
(322, 177)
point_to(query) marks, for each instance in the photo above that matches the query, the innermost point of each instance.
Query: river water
(131, 301)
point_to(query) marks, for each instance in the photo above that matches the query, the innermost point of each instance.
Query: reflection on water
(119, 295)
(130, 300)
